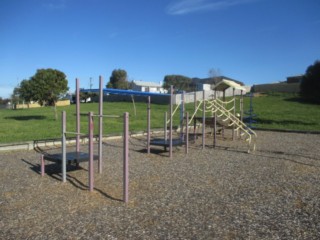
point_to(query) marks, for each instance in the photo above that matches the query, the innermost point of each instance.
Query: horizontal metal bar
(107, 116)
(75, 133)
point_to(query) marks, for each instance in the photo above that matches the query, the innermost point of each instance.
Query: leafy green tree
(25, 90)
(310, 85)
(178, 81)
(45, 87)
(118, 79)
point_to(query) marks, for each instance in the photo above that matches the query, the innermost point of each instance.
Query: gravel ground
(221, 193)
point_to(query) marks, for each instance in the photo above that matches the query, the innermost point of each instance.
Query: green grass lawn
(273, 112)
(39, 123)
(285, 112)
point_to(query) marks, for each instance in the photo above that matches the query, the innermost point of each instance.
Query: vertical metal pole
(170, 131)
(64, 150)
(126, 157)
(195, 101)
(187, 133)
(148, 124)
(100, 123)
(165, 126)
(224, 99)
(42, 165)
(215, 122)
(77, 115)
(203, 120)
(241, 106)
(241, 112)
(195, 121)
(90, 152)
(181, 115)
(234, 113)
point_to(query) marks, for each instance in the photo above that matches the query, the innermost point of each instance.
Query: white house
(148, 87)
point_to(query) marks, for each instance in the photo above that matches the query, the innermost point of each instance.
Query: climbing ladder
(226, 117)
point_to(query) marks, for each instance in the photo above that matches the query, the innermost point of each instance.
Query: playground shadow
(282, 122)
(286, 157)
(300, 100)
(156, 151)
(26, 118)
(53, 170)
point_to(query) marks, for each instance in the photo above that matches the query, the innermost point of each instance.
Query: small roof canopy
(225, 84)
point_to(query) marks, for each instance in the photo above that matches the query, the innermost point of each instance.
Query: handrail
(178, 105)
(195, 112)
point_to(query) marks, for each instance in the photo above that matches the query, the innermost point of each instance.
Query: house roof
(147, 84)
(225, 84)
(215, 80)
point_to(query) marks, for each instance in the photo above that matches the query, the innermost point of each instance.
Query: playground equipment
(216, 113)
(223, 116)
(77, 156)
(164, 142)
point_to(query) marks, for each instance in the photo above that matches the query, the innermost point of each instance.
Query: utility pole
(91, 83)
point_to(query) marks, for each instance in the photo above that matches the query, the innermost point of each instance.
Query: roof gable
(225, 84)
(215, 80)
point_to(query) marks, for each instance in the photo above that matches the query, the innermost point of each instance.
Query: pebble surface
(211, 193)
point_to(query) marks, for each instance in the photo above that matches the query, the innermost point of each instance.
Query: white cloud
(181, 7)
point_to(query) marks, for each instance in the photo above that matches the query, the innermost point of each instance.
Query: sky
(253, 41)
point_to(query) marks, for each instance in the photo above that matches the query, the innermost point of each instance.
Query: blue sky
(254, 41)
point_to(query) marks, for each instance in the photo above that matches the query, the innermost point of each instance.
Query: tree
(25, 90)
(178, 81)
(118, 79)
(45, 87)
(310, 84)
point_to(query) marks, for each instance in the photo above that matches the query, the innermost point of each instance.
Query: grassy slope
(285, 112)
(276, 112)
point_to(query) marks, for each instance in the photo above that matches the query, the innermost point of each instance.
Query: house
(148, 87)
